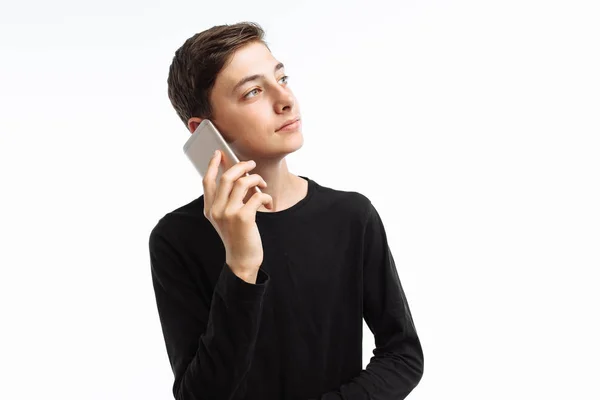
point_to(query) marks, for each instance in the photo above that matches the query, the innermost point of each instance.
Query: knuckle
(228, 215)
(239, 216)
(240, 181)
(227, 176)
(252, 178)
(242, 216)
(243, 181)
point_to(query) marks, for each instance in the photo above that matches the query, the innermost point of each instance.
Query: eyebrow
(254, 77)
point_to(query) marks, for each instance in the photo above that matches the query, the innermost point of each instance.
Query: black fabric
(297, 333)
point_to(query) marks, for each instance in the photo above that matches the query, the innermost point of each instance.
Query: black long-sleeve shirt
(297, 333)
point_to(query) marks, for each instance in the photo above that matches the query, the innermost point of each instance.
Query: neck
(284, 187)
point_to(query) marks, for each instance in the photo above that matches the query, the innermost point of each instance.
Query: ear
(193, 123)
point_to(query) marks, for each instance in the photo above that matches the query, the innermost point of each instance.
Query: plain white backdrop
(473, 127)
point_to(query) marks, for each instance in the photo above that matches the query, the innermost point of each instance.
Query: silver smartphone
(200, 147)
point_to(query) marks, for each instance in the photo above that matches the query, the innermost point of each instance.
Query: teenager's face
(249, 112)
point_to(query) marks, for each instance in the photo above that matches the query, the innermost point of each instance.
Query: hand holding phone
(200, 147)
(234, 220)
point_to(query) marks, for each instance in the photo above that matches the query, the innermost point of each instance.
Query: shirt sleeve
(210, 338)
(397, 365)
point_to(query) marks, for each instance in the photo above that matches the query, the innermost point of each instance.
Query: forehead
(253, 58)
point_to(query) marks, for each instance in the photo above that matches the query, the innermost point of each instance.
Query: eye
(285, 77)
(247, 95)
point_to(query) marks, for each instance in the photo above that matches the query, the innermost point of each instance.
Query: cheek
(259, 118)
(250, 126)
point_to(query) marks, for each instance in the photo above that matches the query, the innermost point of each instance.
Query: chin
(277, 149)
(297, 142)
(290, 147)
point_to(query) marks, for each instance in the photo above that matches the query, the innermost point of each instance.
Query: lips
(289, 122)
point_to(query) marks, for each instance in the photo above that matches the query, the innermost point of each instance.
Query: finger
(242, 187)
(227, 163)
(257, 200)
(254, 189)
(227, 181)
(209, 181)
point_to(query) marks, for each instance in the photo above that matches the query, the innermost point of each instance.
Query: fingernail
(215, 153)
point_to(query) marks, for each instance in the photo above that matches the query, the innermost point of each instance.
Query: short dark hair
(197, 62)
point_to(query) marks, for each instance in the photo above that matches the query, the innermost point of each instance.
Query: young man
(261, 296)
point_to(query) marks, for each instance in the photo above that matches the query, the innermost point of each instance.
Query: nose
(284, 100)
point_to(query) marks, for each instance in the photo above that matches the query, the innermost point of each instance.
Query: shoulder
(345, 201)
(177, 223)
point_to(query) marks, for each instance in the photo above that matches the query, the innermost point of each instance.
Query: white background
(473, 126)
